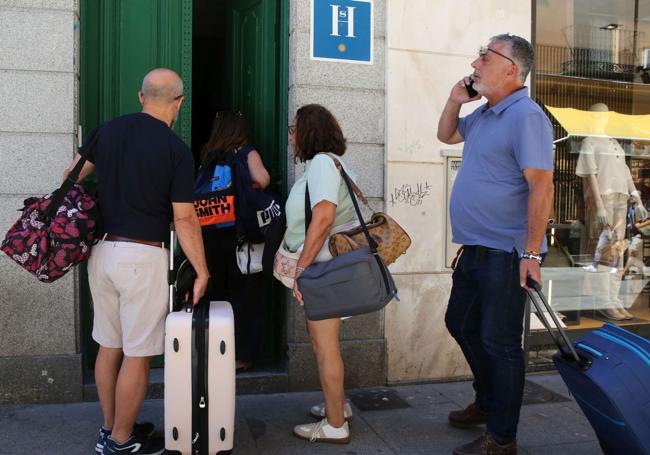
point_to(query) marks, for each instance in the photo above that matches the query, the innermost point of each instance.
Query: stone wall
(356, 96)
(39, 75)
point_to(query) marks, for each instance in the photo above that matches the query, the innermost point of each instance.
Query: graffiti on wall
(410, 194)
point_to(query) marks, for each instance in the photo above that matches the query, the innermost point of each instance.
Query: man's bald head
(161, 85)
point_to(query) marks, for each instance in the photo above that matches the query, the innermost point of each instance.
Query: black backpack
(257, 208)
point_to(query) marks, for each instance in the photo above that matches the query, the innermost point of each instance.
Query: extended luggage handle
(171, 274)
(531, 283)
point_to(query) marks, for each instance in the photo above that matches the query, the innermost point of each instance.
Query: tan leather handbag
(391, 238)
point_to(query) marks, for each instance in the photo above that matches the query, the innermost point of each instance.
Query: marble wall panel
(419, 347)
(35, 318)
(39, 41)
(360, 112)
(33, 163)
(413, 199)
(418, 85)
(37, 102)
(69, 5)
(454, 27)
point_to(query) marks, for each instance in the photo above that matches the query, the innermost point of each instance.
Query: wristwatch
(532, 255)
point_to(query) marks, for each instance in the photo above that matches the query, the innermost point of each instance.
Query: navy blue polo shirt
(141, 168)
(489, 200)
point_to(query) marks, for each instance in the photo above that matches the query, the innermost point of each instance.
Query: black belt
(481, 251)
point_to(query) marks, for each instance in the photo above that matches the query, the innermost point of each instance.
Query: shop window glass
(592, 78)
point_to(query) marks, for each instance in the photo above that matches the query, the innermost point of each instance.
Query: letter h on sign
(343, 16)
(342, 30)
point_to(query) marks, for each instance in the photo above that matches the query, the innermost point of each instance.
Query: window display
(591, 62)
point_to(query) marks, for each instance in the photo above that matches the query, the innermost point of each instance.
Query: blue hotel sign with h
(342, 30)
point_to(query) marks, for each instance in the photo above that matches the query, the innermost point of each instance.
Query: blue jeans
(485, 315)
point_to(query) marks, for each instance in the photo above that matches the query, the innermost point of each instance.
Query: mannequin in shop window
(602, 164)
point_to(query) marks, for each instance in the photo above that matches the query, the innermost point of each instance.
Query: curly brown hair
(317, 131)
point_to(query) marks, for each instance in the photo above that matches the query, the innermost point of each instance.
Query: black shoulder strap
(348, 182)
(72, 177)
(307, 208)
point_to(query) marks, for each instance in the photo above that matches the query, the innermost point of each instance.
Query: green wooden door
(257, 64)
(121, 41)
(258, 60)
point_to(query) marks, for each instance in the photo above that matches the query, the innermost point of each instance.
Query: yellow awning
(606, 124)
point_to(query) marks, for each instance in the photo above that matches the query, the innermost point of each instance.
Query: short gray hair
(522, 52)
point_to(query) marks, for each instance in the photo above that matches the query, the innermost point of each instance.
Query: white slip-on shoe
(612, 313)
(318, 411)
(323, 432)
(623, 312)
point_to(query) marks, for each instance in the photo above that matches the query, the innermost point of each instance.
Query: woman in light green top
(315, 136)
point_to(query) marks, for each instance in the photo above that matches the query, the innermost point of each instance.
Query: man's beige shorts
(128, 283)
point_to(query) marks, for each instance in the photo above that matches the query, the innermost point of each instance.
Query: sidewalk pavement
(407, 419)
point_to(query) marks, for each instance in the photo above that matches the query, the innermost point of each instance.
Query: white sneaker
(318, 411)
(613, 271)
(323, 432)
(590, 268)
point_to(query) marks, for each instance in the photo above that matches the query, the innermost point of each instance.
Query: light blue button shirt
(489, 200)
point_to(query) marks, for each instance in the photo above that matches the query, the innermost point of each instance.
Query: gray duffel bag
(353, 283)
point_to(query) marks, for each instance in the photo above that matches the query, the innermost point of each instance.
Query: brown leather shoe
(486, 445)
(467, 418)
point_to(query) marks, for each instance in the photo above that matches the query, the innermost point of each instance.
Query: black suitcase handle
(562, 342)
(171, 274)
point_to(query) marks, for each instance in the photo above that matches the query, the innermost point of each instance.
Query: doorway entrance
(239, 64)
(231, 54)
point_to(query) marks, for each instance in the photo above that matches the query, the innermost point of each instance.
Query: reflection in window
(592, 78)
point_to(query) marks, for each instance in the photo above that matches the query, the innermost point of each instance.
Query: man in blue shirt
(499, 210)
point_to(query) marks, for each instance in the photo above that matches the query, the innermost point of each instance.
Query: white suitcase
(200, 379)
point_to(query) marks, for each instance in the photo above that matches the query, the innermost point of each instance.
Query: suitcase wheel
(175, 344)
(222, 348)
(222, 434)
(175, 433)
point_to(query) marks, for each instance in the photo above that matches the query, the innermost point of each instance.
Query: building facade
(68, 65)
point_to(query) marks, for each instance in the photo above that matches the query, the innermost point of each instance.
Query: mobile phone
(470, 89)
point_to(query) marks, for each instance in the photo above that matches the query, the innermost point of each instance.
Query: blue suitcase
(608, 373)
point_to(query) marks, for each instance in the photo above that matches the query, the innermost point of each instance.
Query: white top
(605, 158)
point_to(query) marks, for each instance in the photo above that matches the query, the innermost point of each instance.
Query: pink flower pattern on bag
(48, 249)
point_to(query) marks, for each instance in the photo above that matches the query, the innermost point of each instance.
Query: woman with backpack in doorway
(228, 145)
